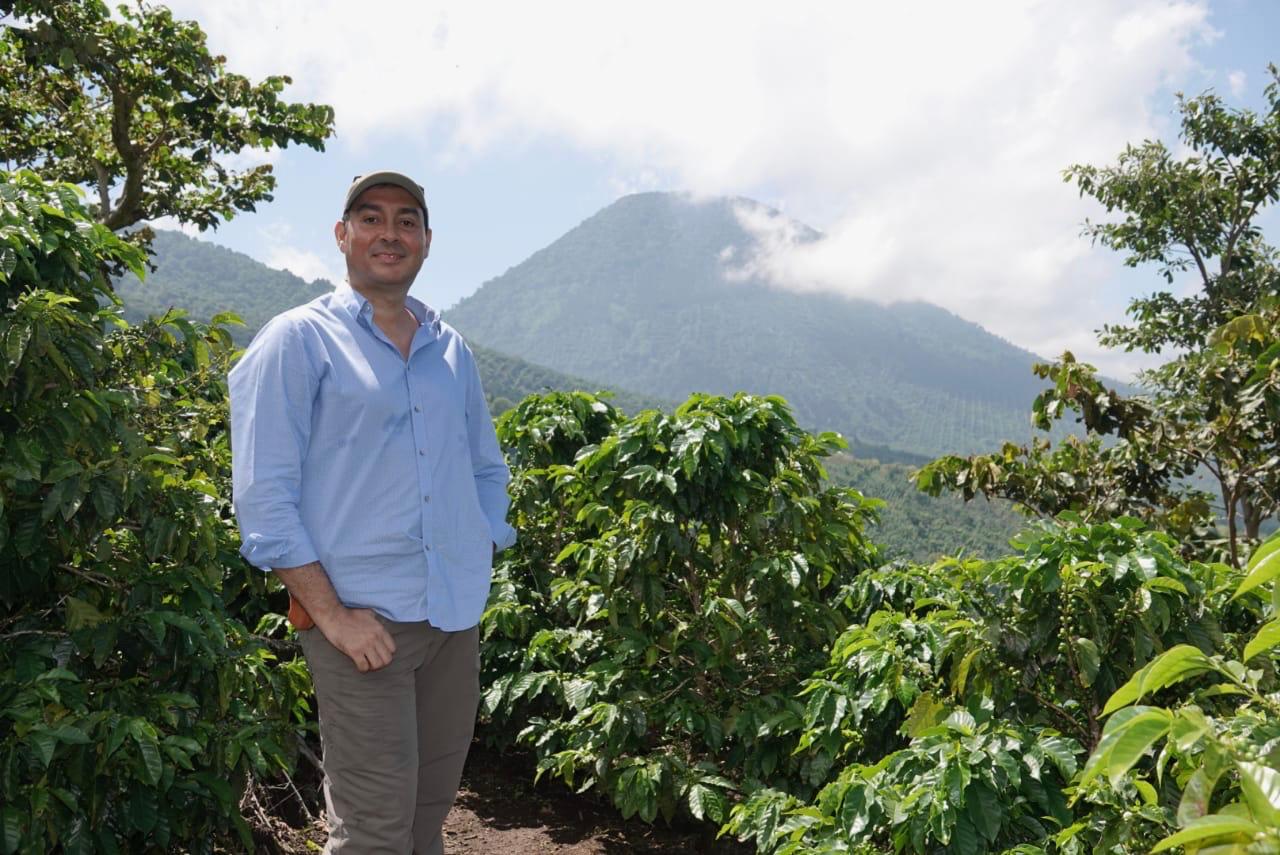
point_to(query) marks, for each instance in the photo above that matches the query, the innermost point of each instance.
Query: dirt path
(500, 812)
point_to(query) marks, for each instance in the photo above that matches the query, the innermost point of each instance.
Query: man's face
(384, 239)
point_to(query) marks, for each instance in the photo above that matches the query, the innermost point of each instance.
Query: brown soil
(500, 811)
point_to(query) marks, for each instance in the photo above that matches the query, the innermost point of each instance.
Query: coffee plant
(677, 575)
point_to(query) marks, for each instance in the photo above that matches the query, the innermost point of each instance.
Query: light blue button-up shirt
(385, 470)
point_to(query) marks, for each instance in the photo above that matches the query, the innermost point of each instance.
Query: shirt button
(417, 409)
(422, 452)
(426, 498)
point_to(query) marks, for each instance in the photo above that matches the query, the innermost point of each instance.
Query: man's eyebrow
(370, 206)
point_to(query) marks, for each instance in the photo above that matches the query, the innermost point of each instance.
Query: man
(367, 476)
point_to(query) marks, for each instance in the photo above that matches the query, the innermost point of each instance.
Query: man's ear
(340, 234)
(426, 246)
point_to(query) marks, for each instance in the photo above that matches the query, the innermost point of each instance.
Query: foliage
(1220, 731)
(135, 703)
(133, 102)
(1211, 409)
(956, 712)
(675, 576)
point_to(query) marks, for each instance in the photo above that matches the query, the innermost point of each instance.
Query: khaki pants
(395, 739)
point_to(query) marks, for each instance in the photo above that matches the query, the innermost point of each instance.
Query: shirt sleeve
(272, 390)
(488, 465)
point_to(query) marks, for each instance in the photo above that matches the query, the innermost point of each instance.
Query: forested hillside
(642, 285)
(920, 527)
(205, 279)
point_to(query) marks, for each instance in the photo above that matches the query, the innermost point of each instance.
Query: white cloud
(927, 139)
(304, 263)
(172, 224)
(1236, 81)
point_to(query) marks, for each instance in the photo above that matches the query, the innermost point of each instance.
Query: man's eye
(408, 223)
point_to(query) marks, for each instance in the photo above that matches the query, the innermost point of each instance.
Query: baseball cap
(361, 183)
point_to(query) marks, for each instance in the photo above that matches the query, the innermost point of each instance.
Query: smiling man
(367, 476)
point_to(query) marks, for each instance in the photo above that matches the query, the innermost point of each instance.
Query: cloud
(1236, 81)
(174, 225)
(304, 264)
(926, 139)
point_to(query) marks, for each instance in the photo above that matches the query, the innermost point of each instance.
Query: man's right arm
(356, 632)
(272, 390)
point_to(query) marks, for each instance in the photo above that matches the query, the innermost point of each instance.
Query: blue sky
(926, 139)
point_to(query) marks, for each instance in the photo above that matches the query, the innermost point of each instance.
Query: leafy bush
(675, 578)
(957, 712)
(134, 701)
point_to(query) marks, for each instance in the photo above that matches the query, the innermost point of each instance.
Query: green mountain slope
(923, 528)
(637, 296)
(206, 279)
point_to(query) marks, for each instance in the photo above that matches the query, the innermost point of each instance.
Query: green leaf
(79, 840)
(1089, 659)
(925, 713)
(706, 803)
(143, 811)
(577, 693)
(1261, 787)
(1263, 566)
(148, 748)
(43, 743)
(11, 826)
(1195, 797)
(1168, 668)
(1134, 741)
(964, 839)
(984, 809)
(1267, 638)
(81, 614)
(961, 675)
(1207, 827)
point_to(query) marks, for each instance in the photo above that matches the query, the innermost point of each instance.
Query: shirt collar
(360, 309)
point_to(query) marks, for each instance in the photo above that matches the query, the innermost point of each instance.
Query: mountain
(206, 279)
(637, 296)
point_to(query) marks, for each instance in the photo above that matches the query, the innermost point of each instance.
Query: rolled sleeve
(489, 467)
(272, 390)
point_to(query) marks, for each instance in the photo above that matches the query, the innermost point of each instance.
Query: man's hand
(359, 634)
(356, 632)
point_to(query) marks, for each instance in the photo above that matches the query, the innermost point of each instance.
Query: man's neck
(385, 303)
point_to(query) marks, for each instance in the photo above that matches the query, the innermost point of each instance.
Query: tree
(1211, 409)
(136, 706)
(134, 104)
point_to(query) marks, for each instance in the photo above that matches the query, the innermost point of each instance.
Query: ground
(500, 811)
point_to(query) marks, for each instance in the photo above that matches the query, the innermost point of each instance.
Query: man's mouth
(387, 256)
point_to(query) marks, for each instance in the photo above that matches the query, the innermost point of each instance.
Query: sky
(926, 140)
